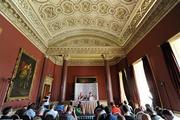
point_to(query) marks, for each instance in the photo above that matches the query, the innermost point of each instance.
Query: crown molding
(13, 17)
(159, 12)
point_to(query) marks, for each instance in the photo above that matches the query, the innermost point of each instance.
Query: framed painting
(23, 76)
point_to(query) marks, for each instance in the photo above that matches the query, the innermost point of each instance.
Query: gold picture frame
(23, 77)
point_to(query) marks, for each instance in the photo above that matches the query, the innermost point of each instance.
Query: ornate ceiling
(85, 29)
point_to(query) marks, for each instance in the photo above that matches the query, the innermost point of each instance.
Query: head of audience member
(125, 109)
(7, 111)
(31, 106)
(150, 111)
(52, 106)
(167, 114)
(69, 109)
(112, 104)
(98, 103)
(60, 108)
(139, 115)
(145, 117)
(147, 106)
(107, 109)
(120, 104)
(136, 110)
(157, 108)
(125, 102)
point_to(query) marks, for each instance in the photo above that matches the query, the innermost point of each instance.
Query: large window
(175, 45)
(142, 85)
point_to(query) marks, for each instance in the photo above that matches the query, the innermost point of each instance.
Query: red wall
(55, 92)
(97, 71)
(164, 30)
(11, 40)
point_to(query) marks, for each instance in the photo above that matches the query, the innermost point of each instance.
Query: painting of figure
(23, 76)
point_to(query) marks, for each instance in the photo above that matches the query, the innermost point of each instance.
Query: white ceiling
(85, 29)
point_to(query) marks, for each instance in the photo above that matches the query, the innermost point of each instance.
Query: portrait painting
(22, 78)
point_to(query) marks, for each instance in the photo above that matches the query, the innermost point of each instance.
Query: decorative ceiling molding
(85, 29)
(84, 41)
(9, 13)
(153, 19)
(94, 60)
(25, 10)
(81, 33)
(85, 50)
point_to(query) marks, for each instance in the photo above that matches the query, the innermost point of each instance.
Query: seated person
(127, 113)
(109, 116)
(6, 113)
(52, 111)
(79, 110)
(153, 114)
(70, 113)
(21, 111)
(114, 109)
(168, 115)
(98, 107)
(91, 96)
(30, 111)
(81, 96)
(41, 110)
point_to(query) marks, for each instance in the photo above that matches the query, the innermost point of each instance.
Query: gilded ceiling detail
(50, 11)
(137, 18)
(71, 15)
(79, 27)
(34, 20)
(83, 21)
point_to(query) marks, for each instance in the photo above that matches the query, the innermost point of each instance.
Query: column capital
(106, 56)
(66, 57)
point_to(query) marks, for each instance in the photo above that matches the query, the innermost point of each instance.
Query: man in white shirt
(52, 111)
(30, 111)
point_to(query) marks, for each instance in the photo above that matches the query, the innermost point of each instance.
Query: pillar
(108, 79)
(64, 79)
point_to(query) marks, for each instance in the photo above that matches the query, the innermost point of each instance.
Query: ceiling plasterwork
(83, 28)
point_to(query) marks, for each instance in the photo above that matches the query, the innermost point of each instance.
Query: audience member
(70, 113)
(98, 107)
(101, 114)
(153, 114)
(168, 115)
(30, 112)
(159, 110)
(47, 100)
(127, 114)
(52, 112)
(128, 106)
(114, 109)
(21, 111)
(79, 110)
(6, 113)
(145, 117)
(109, 116)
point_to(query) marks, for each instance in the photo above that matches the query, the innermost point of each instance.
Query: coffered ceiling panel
(54, 25)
